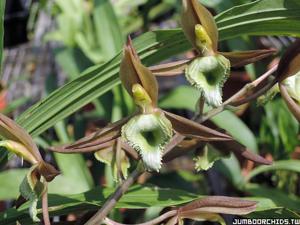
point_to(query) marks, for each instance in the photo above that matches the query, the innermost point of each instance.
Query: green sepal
(108, 156)
(148, 134)
(208, 74)
(32, 189)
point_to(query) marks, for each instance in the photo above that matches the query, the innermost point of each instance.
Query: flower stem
(114, 198)
(45, 210)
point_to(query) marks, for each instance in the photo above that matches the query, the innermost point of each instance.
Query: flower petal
(194, 13)
(242, 58)
(10, 130)
(132, 71)
(190, 128)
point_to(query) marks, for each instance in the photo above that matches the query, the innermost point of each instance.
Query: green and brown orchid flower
(150, 133)
(147, 132)
(209, 70)
(18, 141)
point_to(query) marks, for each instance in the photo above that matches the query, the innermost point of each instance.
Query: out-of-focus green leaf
(231, 169)
(72, 166)
(237, 128)
(107, 28)
(290, 165)
(9, 188)
(261, 17)
(136, 198)
(182, 97)
(279, 197)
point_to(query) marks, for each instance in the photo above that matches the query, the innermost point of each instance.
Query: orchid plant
(152, 136)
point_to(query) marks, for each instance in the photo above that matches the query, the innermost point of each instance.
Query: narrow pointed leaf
(242, 58)
(194, 13)
(190, 128)
(292, 105)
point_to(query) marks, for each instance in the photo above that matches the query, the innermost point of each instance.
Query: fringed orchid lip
(148, 134)
(208, 74)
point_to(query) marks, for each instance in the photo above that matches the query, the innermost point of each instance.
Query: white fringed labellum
(208, 74)
(148, 134)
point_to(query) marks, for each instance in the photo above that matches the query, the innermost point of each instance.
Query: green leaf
(136, 198)
(290, 165)
(182, 97)
(261, 17)
(237, 128)
(279, 197)
(9, 188)
(105, 20)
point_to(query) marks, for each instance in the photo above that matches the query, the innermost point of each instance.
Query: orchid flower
(18, 141)
(150, 129)
(210, 69)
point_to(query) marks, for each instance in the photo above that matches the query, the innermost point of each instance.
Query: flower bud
(208, 74)
(148, 134)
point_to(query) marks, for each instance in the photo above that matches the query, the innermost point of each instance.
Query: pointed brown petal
(289, 63)
(292, 105)
(242, 58)
(219, 204)
(95, 141)
(133, 72)
(10, 130)
(170, 69)
(47, 171)
(194, 13)
(192, 129)
(240, 150)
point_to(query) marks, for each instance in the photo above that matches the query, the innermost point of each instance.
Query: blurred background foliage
(54, 42)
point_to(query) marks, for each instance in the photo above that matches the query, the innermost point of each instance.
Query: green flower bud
(208, 74)
(292, 84)
(148, 134)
